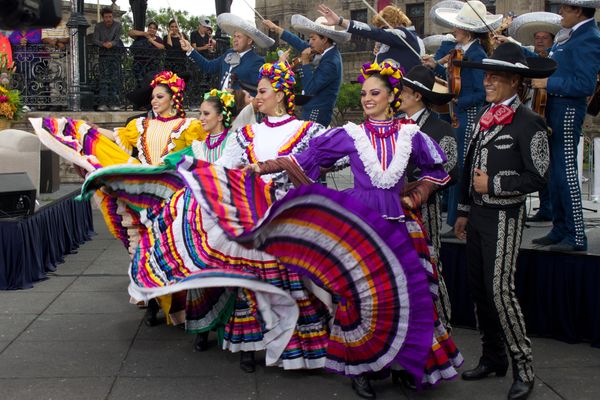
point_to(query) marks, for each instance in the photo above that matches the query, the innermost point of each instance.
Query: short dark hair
(106, 10)
(152, 23)
(588, 12)
(330, 40)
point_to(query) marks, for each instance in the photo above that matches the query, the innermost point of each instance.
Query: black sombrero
(508, 57)
(421, 79)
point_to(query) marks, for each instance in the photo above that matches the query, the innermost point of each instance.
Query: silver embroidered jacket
(515, 157)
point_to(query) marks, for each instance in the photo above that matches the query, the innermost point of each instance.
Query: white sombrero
(470, 17)
(525, 26)
(231, 23)
(304, 25)
(579, 3)
(433, 42)
(452, 4)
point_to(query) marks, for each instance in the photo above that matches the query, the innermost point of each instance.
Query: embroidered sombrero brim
(537, 67)
(452, 4)
(304, 25)
(231, 23)
(524, 27)
(449, 18)
(579, 3)
(431, 96)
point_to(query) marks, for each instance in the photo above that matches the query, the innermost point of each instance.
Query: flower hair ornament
(227, 100)
(282, 79)
(175, 84)
(389, 71)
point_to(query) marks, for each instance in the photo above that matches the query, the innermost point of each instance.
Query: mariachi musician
(576, 49)
(397, 44)
(471, 25)
(322, 82)
(507, 158)
(536, 29)
(419, 94)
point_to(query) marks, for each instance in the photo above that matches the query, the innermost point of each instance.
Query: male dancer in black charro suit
(507, 158)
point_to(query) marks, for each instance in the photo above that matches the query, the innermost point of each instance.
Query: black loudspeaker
(49, 171)
(17, 195)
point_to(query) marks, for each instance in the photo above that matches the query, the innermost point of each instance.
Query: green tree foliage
(347, 100)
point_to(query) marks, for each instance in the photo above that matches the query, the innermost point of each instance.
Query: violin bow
(391, 27)
(254, 9)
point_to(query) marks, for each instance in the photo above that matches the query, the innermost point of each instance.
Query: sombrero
(579, 3)
(231, 23)
(452, 4)
(421, 79)
(304, 25)
(508, 57)
(470, 17)
(433, 42)
(524, 27)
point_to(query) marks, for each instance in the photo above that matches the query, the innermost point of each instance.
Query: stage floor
(66, 189)
(591, 217)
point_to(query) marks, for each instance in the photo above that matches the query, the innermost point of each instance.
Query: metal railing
(42, 77)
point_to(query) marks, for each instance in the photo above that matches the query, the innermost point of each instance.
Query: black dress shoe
(403, 376)
(482, 371)
(362, 387)
(150, 315)
(247, 363)
(201, 341)
(539, 218)
(520, 390)
(545, 241)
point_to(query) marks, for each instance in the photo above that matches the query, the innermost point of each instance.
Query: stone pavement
(75, 336)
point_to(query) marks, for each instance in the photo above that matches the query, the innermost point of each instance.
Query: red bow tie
(496, 115)
(405, 120)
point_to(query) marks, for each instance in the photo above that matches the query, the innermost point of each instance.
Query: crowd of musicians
(230, 229)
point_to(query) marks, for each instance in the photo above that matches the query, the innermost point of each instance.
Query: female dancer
(145, 140)
(474, 43)
(379, 150)
(181, 241)
(382, 305)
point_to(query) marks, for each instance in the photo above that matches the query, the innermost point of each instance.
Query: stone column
(77, 25)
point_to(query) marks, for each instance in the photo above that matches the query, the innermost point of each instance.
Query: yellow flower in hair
(228, 99)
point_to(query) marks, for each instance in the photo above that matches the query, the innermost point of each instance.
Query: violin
(453, 78)
(539, 97)
(298, 60)
(593, 107)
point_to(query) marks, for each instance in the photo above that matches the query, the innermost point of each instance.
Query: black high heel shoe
(247, 363)
(403, 376)
(201, 341)
(362, 387)
(151, 312)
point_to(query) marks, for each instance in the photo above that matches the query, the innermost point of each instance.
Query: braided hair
(282, 79)
(224, 103)
(390, 74)
(174, 86)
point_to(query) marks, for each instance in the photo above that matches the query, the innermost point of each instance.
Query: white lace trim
(368, 155)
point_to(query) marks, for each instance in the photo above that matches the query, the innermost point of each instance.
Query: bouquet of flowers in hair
(10, 99)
